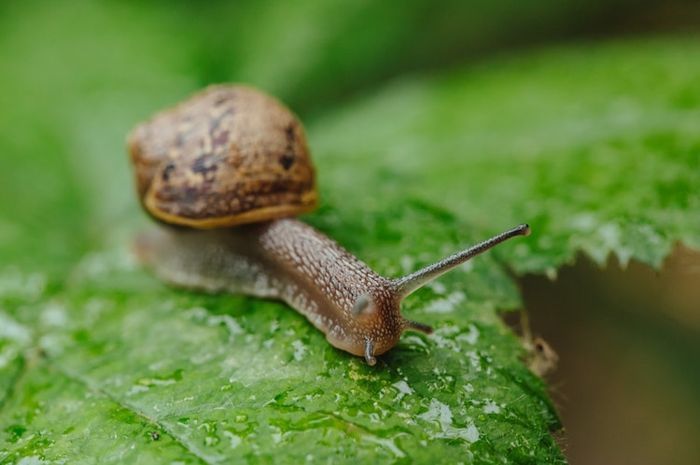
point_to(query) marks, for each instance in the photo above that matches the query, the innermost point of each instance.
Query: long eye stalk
(418, 279)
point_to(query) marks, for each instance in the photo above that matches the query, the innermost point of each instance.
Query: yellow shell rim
(308, 200)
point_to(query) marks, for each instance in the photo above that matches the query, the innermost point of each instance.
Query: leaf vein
(179, 439)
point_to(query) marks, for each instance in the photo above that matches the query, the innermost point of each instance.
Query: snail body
(226, 170)
(287, 260)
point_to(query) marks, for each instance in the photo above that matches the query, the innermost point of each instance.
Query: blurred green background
(75, 76)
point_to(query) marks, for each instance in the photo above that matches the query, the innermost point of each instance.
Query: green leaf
(572, 141)
(99, 362)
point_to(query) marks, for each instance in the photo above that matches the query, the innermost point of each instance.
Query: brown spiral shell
(228, 155)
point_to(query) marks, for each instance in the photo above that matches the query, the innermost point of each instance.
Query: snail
(225, 172)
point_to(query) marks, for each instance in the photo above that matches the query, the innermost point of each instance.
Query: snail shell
(228, 155)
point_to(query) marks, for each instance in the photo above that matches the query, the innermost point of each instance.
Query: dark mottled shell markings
(228, 155)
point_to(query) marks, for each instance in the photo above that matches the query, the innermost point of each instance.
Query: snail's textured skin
(287, 260)
(228, 155)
